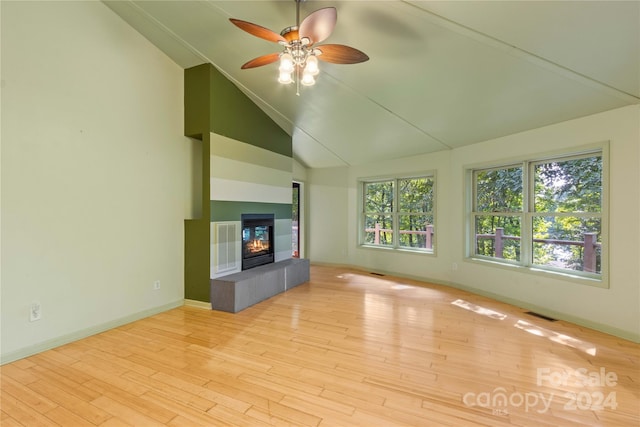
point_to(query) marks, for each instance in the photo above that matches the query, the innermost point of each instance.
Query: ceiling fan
(300, 50)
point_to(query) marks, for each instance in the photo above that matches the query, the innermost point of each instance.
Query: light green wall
(328, 203)
(615, 310)
(334, 208)
(95, 174)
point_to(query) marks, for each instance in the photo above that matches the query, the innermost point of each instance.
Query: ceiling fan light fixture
(286, 63)
(285, 78)
(307, 79)
(312, 66)
(300, 54)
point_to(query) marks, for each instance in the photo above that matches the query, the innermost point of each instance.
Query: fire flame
(257, 245)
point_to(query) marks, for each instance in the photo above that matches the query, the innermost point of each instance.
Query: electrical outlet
(35, 311)
(454, 266)
(156, 285)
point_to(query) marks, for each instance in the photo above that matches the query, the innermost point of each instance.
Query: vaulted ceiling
(441, 74)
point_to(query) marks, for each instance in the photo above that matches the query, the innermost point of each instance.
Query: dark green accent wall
(196, 236)
(196, 260)
(235, 116)
(197, 93)
(231, 211)
(213, 104)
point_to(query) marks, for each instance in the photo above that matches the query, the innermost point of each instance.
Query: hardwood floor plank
(195, 416)
(66, 383)
(74, 404)
(124, 412)
(103, 381)
(64, 417)
(249, 393)
(269, 418)
(11, 422)
(116, 422)
(23, 376)
(295, 416)
(279, 383)
(346, 349)
(233, 417)
(21, 412)
(27, 396)
(137, 403)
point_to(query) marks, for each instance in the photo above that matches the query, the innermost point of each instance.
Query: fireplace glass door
(257, 240)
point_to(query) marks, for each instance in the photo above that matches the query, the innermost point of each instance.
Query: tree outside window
(566, 227)
(378, 217)
(499, 208)
(398, 213)
(549, 217)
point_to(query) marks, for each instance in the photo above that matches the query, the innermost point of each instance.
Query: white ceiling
(441, 74)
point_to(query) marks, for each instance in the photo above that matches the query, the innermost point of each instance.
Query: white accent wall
(333, 218)
(241, 173)
(95, 174)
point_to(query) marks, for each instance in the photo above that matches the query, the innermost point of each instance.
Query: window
(542, 214)
(498, 212)
(398, 213)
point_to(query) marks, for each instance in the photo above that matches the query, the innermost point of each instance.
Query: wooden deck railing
(428, 232)
(589, 243)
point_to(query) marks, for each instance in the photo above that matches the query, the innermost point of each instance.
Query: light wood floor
(347, 348)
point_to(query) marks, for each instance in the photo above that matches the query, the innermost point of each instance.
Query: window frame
(395, 213)
(526, 262)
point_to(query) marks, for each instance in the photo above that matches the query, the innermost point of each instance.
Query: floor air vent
(550, 319)
(377, 274)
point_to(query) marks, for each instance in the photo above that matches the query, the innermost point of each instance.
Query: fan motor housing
(290, 33)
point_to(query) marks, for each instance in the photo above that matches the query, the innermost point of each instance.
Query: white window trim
(599, 280)
(395, 247)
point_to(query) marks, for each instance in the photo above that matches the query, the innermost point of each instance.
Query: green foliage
(565, 193)
(416, 195)
(295, 203)
(499, 190)
(378, 205)
(569, 186)
(379, 197)
(561, 187)
(415, 201)
(486, 228)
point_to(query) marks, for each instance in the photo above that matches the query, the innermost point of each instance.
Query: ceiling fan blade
(340, 54)
(261, 60)
(319, 25)
(258, 31)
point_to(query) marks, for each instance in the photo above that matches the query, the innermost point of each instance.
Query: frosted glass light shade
(312, 66)
(285, 77)
(286, 63)
(307, 79)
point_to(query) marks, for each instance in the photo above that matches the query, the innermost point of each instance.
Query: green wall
(215, 105)
(222, 210)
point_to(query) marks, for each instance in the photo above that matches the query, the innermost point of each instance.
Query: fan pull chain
(298, 81)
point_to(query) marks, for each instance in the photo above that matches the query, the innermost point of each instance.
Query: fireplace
(257, 240)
